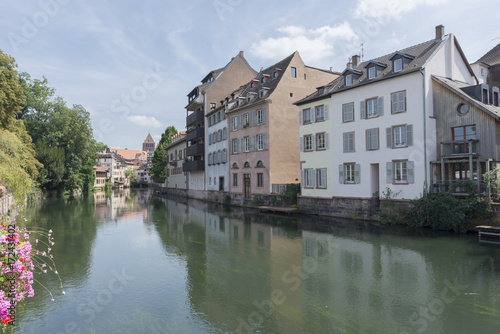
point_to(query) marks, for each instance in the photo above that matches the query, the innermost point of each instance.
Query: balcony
(193, 166)
(195, 117)
(459, 148)
(196, 149)
(198, 132)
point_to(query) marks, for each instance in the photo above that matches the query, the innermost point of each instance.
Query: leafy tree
(159, 164)
(18, 165)
(62, 133)
(130, 174)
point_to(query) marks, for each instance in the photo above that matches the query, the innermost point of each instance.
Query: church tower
(149, 144)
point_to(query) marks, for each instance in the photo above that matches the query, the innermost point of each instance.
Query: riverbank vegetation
(159, 168)
(44, 143)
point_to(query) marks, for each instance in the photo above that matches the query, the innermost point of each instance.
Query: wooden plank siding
(445, 110)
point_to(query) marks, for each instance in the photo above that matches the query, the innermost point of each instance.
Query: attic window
(398, 65)
(321, 91)
(372, 72)
(255, 82)
(276, 73)
(348, 80)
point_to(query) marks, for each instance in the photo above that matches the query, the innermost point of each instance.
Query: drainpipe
(425, 124)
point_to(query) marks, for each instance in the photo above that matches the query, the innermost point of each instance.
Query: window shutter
(410, 170)
(323, 177)
(302, 179)
(388, 132)
(346, 144)
(231, 148)
(327, 140)
(409, 135)
(362, 110)
(368, 139)
(388, 168)
(395, 102)
(357, 173)
(210, 139)
(326, 112)
(242, 146)
(254, 116)
(380, 105)
(224, 133)
(237, 145)
(252, 143)
(313, 178)
(341, 173)
(374, 139)
(263, 115)
(313, 142)
(264, 141)
(250, 119)
(239, 122)
(300, 118)
(313, 114)
(301, 143)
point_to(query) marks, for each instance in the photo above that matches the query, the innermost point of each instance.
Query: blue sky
(132, 63)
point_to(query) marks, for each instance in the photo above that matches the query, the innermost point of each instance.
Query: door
(221, 183)
(246, 185)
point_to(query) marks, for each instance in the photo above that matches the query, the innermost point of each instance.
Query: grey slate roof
(421, 53)
(492, 57)
(270, 85)
(458, 88)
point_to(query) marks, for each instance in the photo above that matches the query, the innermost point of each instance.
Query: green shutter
(380, 106)
(388, 167)
(409, 135)
(388, 132)
(410, 171)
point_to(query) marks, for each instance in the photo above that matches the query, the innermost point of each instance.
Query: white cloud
(367, 9)
(312, 44)
(145, 121)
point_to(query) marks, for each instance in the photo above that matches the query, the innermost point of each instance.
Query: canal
(132, 263)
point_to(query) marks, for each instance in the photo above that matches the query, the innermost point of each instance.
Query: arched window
(246, 165)
(235, 165)
(260, 164)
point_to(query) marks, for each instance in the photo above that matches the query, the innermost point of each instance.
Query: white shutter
(327, 140)
(341, 173)
(313, 114)
(313, 142)
(362, 110)
(409, 135)
(326, 112)
(410, 171)
(388, 135)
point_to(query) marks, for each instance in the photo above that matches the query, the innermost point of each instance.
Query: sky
(132, 63)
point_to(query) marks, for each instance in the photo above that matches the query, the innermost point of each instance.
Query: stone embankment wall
(6, 204)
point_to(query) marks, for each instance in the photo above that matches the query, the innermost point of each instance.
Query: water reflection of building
(119, 203)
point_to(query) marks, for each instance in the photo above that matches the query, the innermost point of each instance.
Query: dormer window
(348, 80)
(276, 73)
(254, 83)
(372, 73)
(398, 65)
(263, 92)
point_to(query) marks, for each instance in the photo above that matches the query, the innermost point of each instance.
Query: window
(321, 141)
(209, 159)
(321, 178)
(371, 108)
(320, 113)
(235, 145)
(310, 178)
(224, 134)
(246, 164)
(372, 142)
(260, 180)
(294, 72)
(275, 74)
(235, 179)
(212, 106)
(308, 145)
(349, 142)
(246, 120)
(400, 172)
(260, 164)
(399, 136)
(261, 142)
(372, 72)
(235, 165)
(349, 173)
(234, 123)
(348, 80)
(263, 79)
(398, 65)
(348, 112)
(398, 102)
(307, 116)
(261, 116)
(216, 118)
(462, 134)
(246, 144)
(485, 96)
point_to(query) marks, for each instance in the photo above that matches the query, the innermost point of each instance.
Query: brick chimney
(439, 31)
(355, 61)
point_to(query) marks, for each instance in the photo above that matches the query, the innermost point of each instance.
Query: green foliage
(493, 178)
(64, 136)
(257, 201)
(227, 200)
(390, 213)
(130, 174)
(289, 197)
(11, 92)
(159, 163)
(447, 212)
